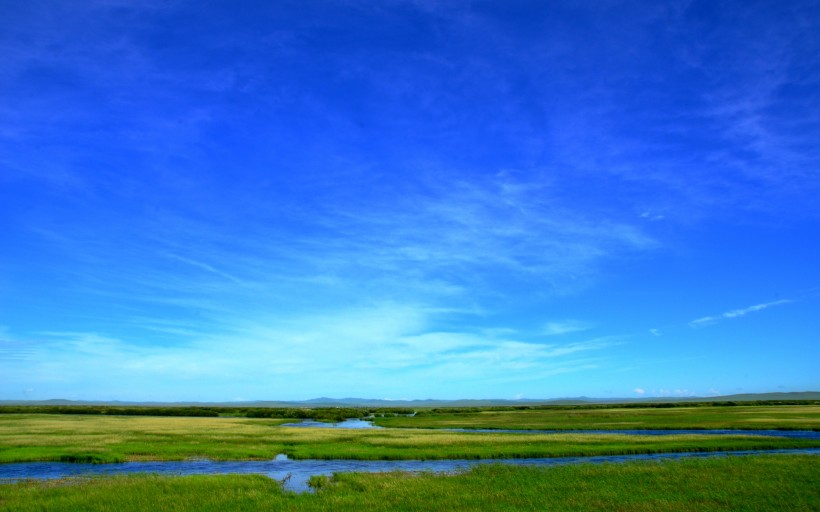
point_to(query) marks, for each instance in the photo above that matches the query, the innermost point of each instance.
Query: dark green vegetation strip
(316, 413)
(341, 413)
(771, 482)
(117, 438)
(782, 417)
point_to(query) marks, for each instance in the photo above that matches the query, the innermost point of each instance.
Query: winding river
(294, 474)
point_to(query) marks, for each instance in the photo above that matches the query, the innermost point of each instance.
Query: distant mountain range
(370, 402)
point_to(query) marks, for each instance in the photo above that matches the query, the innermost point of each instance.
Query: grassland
(116, 438)
(795, 417)
(767, 482)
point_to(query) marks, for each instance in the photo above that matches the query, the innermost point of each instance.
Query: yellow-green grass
(791, 417)
(769, 482)
(110, 439)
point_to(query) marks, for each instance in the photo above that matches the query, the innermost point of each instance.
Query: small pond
(348, 423)
(296, 473)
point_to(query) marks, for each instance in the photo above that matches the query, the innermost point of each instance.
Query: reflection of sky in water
(349, 423)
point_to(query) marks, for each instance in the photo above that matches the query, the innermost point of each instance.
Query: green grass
(768, 482)
(794, 417)
(111, 439)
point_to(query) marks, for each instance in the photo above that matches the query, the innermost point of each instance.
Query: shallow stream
(295, 473)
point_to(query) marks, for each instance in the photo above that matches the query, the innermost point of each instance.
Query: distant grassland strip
(764, 482)
(111, 439)
(784, 417)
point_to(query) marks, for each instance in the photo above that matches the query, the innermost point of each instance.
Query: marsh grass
(787, 417)
(767, 482)
(114, 439)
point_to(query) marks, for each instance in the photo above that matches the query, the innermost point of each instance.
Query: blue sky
(408, 199)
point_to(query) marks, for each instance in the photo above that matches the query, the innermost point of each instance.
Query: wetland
(75, 456)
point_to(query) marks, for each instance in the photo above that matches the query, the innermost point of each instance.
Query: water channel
(295, 473)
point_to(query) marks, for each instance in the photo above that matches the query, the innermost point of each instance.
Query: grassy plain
(765, 482)
(794, 417)
(118, 438)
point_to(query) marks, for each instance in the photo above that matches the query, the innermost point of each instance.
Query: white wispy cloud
(566, 327)
(388, 348)
(344, 292)
(203, 266)
(465, 240)
(760, 134)
(735, 313)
